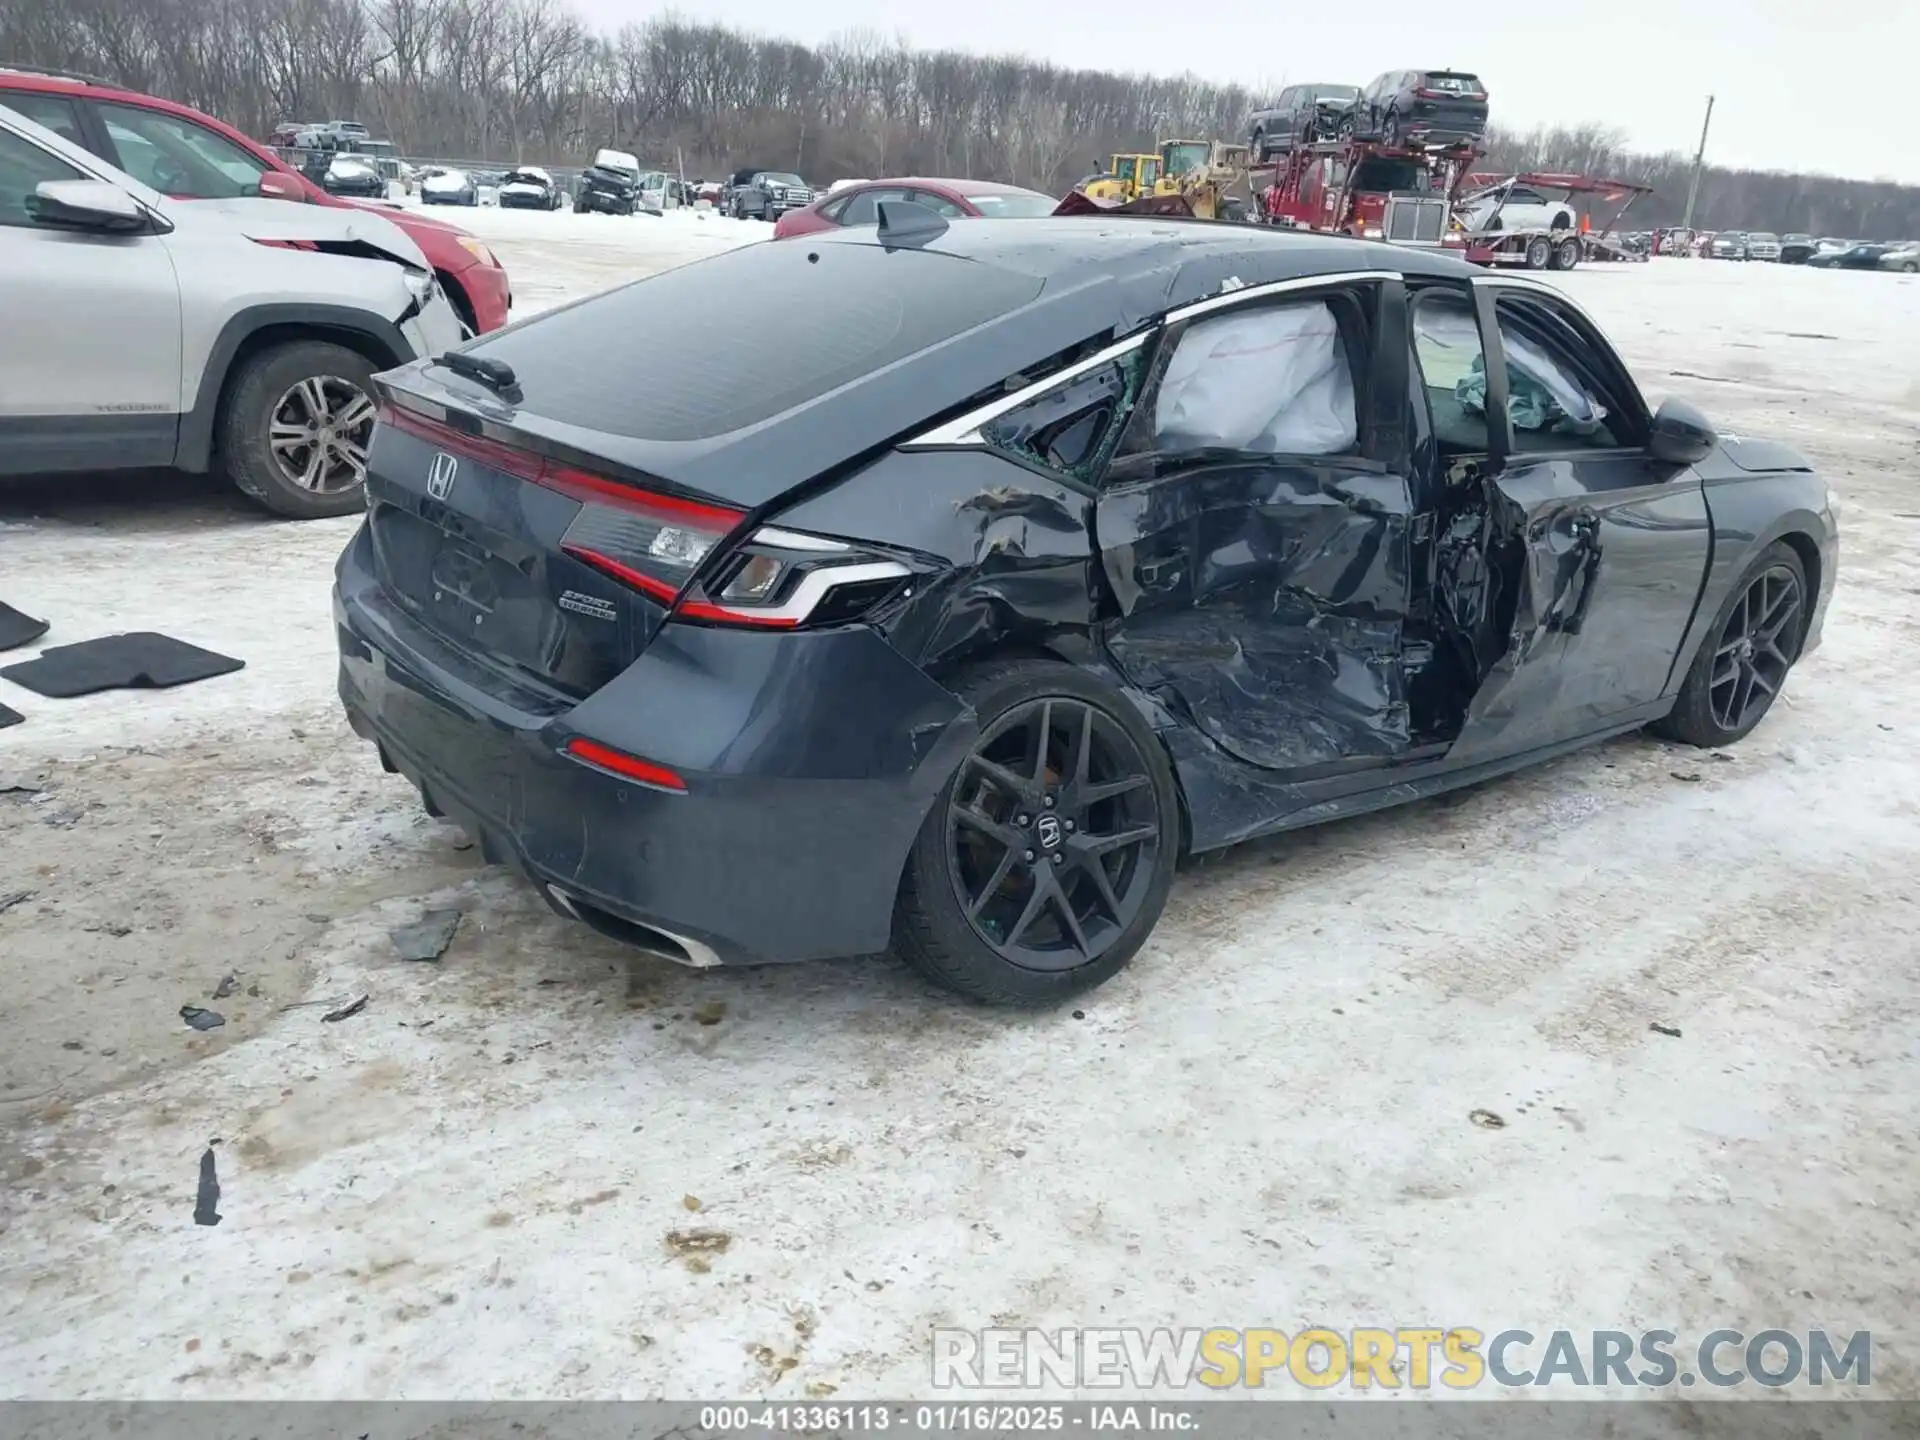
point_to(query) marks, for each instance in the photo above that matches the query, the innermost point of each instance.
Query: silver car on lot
(141, 332)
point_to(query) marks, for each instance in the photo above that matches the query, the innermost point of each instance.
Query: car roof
(1185, 259)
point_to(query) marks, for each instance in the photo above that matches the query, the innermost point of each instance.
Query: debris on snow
(346, 1012)
(202, 1019)
(428, 937)
(229, 983)
(1659, 1029)
(208, 1196)
(1487, 1119)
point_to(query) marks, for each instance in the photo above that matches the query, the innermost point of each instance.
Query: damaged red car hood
(277, 221)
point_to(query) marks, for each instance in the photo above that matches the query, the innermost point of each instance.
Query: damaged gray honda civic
(1030, 557)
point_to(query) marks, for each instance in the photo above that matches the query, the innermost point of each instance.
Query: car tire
(1390, 130)
(1759, 630)
(1566, 254)
(271, 389)
(1539, 253)
(1107, 919)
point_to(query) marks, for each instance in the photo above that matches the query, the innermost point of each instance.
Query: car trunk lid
(545, 570)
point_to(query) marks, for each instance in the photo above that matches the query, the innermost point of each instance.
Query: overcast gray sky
(1823, 85)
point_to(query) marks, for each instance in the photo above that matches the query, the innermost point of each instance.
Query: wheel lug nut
(1022, 819)
(1059, 859)
(1048, 802)
(1029, 856)
(1069, 827)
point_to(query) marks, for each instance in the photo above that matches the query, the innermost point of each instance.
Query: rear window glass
(1453, 84)
(725, 343)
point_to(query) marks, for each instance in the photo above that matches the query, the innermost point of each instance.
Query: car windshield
(527, 177)
(1769, 239)
(1336, 92)
(778, 177)
(1027, 205)
(600, 365)
(1379, 173)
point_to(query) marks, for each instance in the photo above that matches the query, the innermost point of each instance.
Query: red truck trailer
(1403, 194)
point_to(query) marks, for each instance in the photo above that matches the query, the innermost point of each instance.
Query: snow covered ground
(471, 1187)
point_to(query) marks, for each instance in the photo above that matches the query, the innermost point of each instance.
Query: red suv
(190, 156)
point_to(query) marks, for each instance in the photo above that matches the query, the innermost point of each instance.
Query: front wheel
(1744, 661)
(295, 430)
(1539, 253)
(1047, 856)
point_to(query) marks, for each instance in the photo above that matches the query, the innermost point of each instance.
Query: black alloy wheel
(1743, 664)
(1753, 656)
(1052, 838)
(1047, 857)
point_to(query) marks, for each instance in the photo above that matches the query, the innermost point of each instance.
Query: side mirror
(278, 185)
(1681, 434)
(87, 205)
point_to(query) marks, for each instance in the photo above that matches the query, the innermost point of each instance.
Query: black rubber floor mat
(9, 716)
(17, 629)
(138, 661)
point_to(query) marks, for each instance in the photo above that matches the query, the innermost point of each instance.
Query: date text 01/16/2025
(973, 1419)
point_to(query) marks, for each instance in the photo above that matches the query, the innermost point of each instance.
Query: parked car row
(1830, 252)
(1401, 107)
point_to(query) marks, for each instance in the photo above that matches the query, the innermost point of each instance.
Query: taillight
(782, 579)
(651, 542)
(776, 579)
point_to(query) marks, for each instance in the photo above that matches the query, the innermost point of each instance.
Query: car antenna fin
(906, 222)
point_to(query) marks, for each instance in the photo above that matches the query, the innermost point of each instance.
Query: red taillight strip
(702, 610)
(628, 767)
(625, 574)
(521, 464)
(581, 485)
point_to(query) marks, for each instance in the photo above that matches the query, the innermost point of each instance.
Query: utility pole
(1699, 160)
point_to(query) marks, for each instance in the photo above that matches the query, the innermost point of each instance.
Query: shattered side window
(1272, 381)
(1070, 428)
(1446, 343)
(1553, 405)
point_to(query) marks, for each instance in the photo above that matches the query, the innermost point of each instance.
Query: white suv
(140, 332)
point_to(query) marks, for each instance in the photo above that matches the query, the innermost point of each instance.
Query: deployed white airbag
(1267, 382)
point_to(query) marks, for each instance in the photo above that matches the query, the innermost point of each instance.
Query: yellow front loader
(1186, 177)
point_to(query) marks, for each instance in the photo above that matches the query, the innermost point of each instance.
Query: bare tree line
(528, 81)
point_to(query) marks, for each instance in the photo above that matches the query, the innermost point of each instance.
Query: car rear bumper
(810, 761)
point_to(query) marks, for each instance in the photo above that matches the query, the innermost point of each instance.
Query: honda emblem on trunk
(440, 475)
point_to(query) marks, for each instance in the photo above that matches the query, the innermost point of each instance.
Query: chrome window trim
(965, 431)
